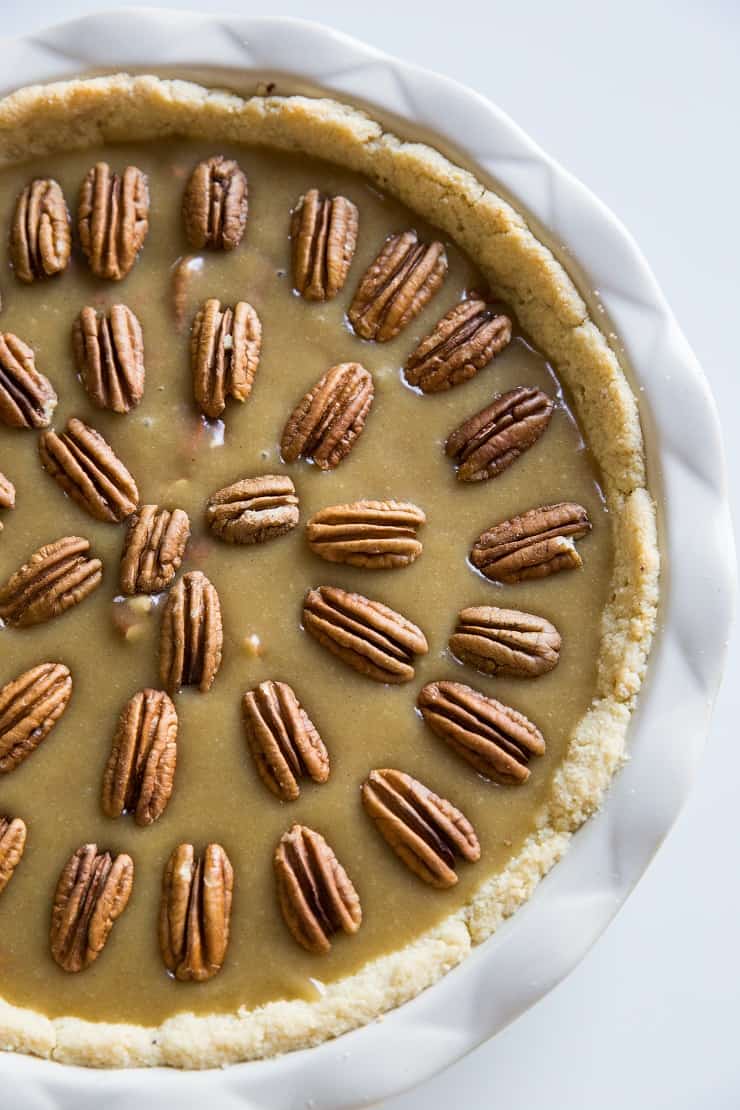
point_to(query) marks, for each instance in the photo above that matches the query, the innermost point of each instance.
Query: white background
(641, 100)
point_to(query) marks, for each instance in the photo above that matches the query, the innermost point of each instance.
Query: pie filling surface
(110, 642)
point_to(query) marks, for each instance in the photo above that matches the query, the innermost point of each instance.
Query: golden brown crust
(524, 274)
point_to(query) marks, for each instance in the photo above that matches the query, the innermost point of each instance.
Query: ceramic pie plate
(512, 970)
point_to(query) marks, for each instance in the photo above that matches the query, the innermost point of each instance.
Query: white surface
(650, 119)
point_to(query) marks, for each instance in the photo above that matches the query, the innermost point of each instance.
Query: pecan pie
(298, 421)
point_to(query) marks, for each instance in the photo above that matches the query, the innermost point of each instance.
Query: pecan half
(215, 204)
(366, 635)
(494, 738)
(109, 353)
(253, 510)
(40, 235)
(191, 635)
(140, 771)
(323, 231)
(505, 642)
(225, 350)
(315, 893)
(89, 471)
(113, 219)
(92, 892)
(427, 832)
(55, 578)
(485, 444)
(376, 535)
(195, 912)
(27, 397)
(283, 739)
(12, 843)
(397, 286)
(464, 341)
(534, 544)
(153, 549)
(30, 706)
(325, 424)
(7, 494)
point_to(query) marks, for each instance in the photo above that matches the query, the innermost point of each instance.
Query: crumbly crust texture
(41, 120)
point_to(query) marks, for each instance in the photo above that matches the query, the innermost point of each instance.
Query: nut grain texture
(365, 634)
(323, 233)
(40, 234)
(55, 578)
(505, 641)
(253, 510)
(326, 423)
(109, 355)
(225, 346)
(490, 441)
(89, 471)
(92, 893)
(195, 912)
(465, 340)
(30, 706)
(140, 772)
(153, 549)
(284, 742)
(397, 286)
(425, 831)
(534, 544)
(113, 219)
(315, 894)
(215, 204)
(495, 739)
(27, 397)
(191, 634)
(375, 535)
(12, 845)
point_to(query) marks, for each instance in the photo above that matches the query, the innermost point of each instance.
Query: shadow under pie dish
(331, 324)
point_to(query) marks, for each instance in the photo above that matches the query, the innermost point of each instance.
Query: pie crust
(41, 120)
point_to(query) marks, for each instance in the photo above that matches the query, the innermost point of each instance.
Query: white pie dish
(686, 476)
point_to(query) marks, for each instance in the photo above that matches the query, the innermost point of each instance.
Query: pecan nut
(109, 354)
(427, 832)
(505, 642)
(323, 232)
(195, 912)
(113, 219)
(487, 443)
(140, 772)
(494, 738)
(12, 844)
(465, 340)
(89, 471)
(30, 706)
(40, 235)
(366, 635)
(325, 424)
(153, 549)
(397, 286)
(283, 740)
(55, 578)
(225, 350)
(253, 510)
(315, 893)
(375, 535)
(7, 493)
(27, 397)
(92, 892)
(215, 204)
(191, 635)
(534, 544)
